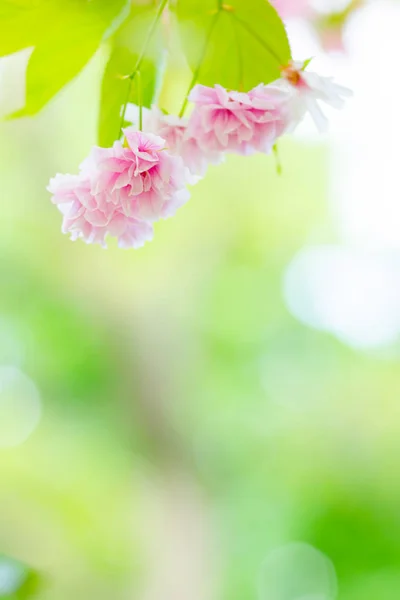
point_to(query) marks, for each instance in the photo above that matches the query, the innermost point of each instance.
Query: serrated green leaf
(238, 45)
(62, 49)
(117, 88)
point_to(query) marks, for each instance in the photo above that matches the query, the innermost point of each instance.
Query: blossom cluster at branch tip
(121, 191)
(307, 90)
(237, 122)
(181, 139)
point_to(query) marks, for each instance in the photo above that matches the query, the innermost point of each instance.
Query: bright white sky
(354, 292)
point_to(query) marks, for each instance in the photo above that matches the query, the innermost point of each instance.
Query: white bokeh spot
(11, 576)
(297, 571)
(351, 293)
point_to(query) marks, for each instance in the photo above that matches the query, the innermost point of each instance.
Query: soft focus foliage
(182, 358)
(64, 35)
(175, 430)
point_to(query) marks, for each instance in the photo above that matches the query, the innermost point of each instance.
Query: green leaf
(62, 49)
(22, 23)
(238, 45)
(26, 23)
(117, 88)
(42, 82)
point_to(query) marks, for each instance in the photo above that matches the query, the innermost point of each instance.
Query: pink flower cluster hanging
(121, 191)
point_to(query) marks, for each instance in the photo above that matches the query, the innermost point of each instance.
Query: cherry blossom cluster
(122, 191)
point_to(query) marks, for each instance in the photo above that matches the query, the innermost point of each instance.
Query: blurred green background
(168, 430)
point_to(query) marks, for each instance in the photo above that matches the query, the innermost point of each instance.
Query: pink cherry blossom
(308, 90)
(266, 133)
(292, 8)
(238, 122)
(178, 140)
(143, 179)
(121, 190)
(86, 217)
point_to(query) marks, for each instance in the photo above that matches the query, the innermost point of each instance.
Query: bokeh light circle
(351, 293)
(11, 576)
(297, 571)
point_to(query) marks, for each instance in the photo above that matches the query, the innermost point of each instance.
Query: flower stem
(128, 93)
(199, 65)
(142, 55)
(150, 34)
(277, 159)
(140, 99)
